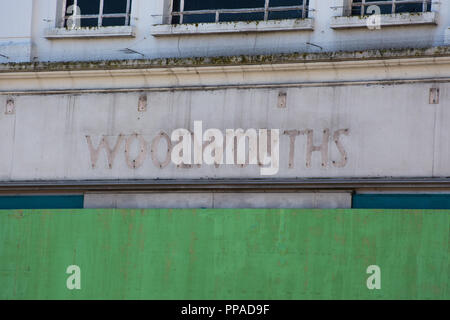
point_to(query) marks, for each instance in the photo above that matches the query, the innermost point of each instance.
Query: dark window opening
(204, 11)
(96, 13)
(360, 7)
(42, 202)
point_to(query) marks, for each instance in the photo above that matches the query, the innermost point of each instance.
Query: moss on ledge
(296, 57)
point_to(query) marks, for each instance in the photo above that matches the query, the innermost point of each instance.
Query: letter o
(154, 150)
(138, 162)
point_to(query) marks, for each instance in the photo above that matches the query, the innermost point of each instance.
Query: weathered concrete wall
(144, 45)
(393, 131)
(219, 200)
(16, 23)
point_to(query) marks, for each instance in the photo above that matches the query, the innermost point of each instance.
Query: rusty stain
(167, 269)
(10, 106)
(17, 215)
(104, 219)
(142, 104)
(434, 96)
(339, 239)
(282, 99)
(192, 243)
(366, 241)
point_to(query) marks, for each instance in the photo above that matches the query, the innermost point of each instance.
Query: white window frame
(350, 4)
(99, 16)
(59, 31)
(345, 20)
(266, 10)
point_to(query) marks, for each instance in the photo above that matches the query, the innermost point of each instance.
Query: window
(201, 11)
(359, 7)
(95, 13)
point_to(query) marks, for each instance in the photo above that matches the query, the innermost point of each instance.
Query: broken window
(203, 11)
(96, 13)
(360, 7)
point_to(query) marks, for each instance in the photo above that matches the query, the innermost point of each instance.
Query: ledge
(430, 66)
(62, 33)
(399, 19)
(227, 61)
(232, 27)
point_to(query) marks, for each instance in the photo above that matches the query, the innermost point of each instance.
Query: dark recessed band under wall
(221, 87)
(230, 185)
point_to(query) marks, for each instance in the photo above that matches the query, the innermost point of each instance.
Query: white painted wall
(394, 131)
(16, 23)
(23, 24)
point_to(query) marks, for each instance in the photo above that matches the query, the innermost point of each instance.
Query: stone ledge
(62, 33)
(287, 58)
(232, 27)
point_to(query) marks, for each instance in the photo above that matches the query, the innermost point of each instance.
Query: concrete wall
(24, 24)
(219, 200)
(393, 131)
(16, 23)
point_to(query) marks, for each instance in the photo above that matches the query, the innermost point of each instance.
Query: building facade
(275, 105)
(92, 91)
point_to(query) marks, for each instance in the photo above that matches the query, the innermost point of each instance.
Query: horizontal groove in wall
(223, 87)
(228, 185)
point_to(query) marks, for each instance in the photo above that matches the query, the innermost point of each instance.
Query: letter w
(110, 153)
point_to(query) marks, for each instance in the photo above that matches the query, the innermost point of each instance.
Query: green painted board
(224, 254)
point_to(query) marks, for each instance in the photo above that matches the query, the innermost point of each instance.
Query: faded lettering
(135, 163)
(110, 153)
(154, 150)
(239, 147)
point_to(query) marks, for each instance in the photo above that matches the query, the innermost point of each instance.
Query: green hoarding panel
(224, 254)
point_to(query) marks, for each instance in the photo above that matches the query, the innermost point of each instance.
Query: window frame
(99, 16)
(304, 7)
(350, 4)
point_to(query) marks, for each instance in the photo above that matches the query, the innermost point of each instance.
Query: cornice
(351, 68)
(229, 61)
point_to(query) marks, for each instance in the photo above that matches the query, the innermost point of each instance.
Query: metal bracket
(434, 96)
(282, 100)
(142, 105)
(10, 106)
